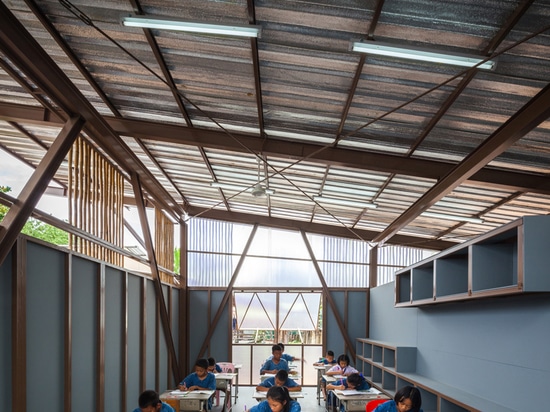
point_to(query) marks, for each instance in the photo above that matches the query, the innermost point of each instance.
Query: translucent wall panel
(272, 272)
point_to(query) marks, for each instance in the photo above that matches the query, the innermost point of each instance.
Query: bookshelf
(508, 260)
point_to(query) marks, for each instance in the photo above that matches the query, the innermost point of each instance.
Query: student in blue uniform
(276, 363)
(280, 379)
(329, 359)
(341, 368)
(201, 379)
(354, 381)
(286, 356)
(213, 366)
(149, 401)
(406, 399)
(277, 400)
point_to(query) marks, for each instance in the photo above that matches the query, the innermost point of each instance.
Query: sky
(15, 174)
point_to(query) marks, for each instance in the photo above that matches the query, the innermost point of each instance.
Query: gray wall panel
(334, 338)
(151, 335)
(5, 325)
(390, 324)
(175, 321)
(134, 331)
(163, 350)
(198, 304)
(357, 302)
(494, 348)
(84, 333)
(220, 339)
(114, 338)
(45, 327)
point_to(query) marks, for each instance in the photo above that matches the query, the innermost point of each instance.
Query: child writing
(213, 366)
(327, 360)
(277, 400)
(341, 368)
(280, 379)
(354, 381)
(276, 363)
(406, 399)
(201, 379)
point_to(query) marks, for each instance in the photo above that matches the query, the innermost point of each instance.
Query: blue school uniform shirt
(263, 406)
(325, 361)
(285, 356)
(269, 365)
(389, 406)
(363, 386)
(269, 382)
(209, 382)
(164, 408)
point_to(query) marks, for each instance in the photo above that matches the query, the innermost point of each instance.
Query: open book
(349, 392)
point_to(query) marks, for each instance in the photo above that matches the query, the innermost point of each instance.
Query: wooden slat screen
(96, 195)
(164, 244)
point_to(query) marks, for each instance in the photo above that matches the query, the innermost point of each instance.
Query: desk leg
(236, 385)
(319, 376)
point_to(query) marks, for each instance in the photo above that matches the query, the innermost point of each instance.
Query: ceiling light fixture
(241, 188)
(453, 217)
(345, 202)
(192, 27)
(381, 49)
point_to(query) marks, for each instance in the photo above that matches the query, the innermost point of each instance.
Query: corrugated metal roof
(321, 119)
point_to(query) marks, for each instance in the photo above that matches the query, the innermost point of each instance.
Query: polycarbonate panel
(277, 272)
(299, 311)
(280, 243)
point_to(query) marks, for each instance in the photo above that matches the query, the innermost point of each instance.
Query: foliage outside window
(37, 229)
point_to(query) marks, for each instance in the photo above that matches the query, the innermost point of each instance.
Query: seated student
(276, 363)
(286, 356)
(329, 359)
(149, 401)
(354, 381)
(277, 400)
(341, 368)
(406, 399)
(213, 366)
(280, 379)
(201, 379)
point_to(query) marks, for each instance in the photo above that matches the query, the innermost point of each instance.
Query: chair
(371, 405)
(227, 367)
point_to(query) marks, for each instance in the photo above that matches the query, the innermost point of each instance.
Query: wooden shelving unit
(389, 367)
(508, 260)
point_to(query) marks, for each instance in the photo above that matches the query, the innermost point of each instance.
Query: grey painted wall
(497, 348)
(46, 276)
(5, 325)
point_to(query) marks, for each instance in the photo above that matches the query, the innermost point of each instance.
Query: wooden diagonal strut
(138, 194)
(34, 188)
(341, 326)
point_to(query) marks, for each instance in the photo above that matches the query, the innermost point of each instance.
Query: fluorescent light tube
(345, 202)
(238, 188)
(381, 49)
(453, 217)
(192, 27)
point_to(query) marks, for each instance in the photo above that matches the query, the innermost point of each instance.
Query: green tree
(36, 228)
(177, 260)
